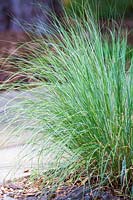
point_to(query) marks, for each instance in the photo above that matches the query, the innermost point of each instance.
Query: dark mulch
(25, 189)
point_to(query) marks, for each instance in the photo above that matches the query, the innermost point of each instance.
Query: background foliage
(105, 8)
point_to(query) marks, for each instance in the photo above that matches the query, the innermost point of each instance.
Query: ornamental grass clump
(84, 119)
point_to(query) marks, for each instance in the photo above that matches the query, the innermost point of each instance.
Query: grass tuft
(84, 119)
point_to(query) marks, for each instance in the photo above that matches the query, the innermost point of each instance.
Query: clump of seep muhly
(84, 117)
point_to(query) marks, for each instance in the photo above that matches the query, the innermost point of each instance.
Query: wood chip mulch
(27, 189)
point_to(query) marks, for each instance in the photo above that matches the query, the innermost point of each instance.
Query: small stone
(1, 196)
(14, 187)
(5, 197)
(44, 197)
(2, 189)
(31, 198)
(10, 194)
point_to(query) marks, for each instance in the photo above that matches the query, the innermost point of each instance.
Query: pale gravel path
(12, 147)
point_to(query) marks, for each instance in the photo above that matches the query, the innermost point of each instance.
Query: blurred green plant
(103, 8)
